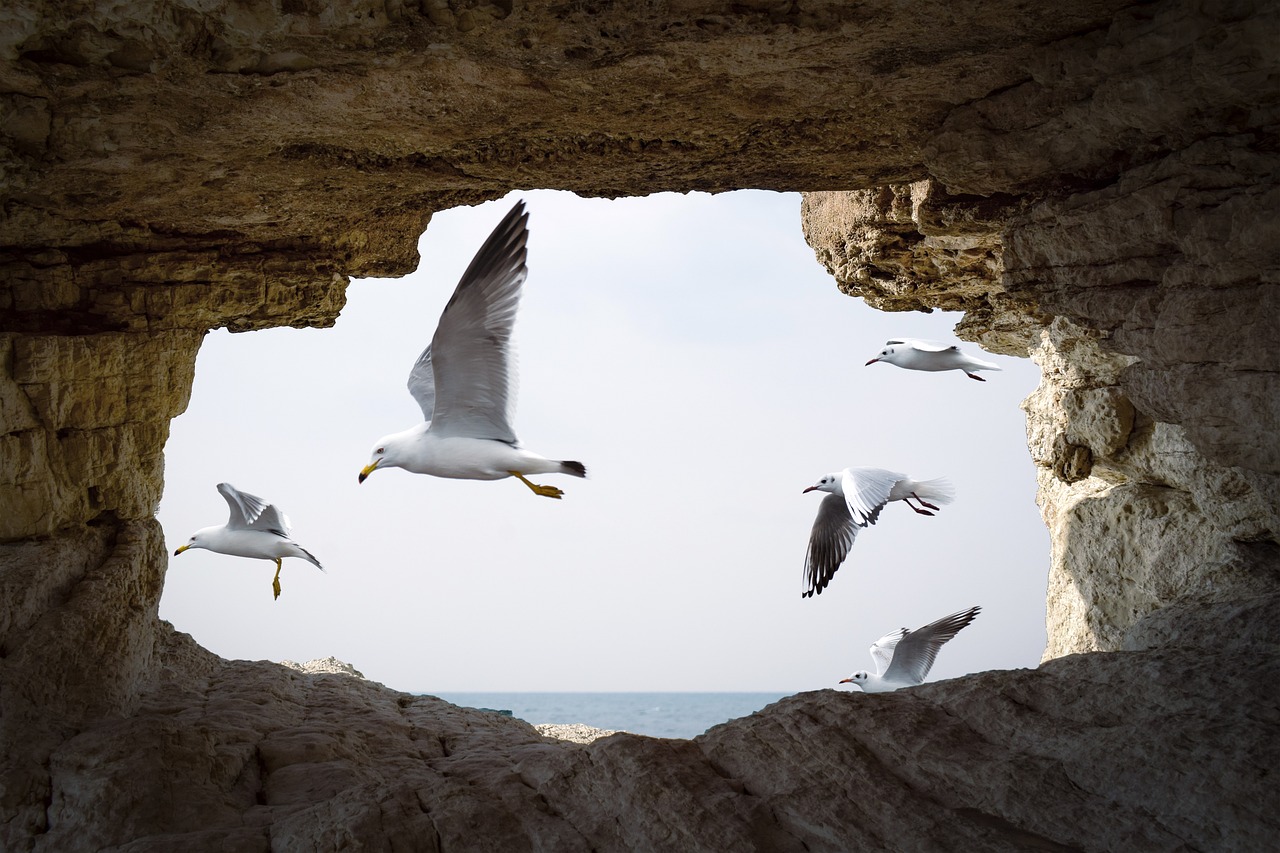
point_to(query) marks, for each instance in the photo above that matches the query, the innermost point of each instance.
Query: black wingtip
(576, 469)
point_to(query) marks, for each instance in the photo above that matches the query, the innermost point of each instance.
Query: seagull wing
(829, 542)
(422, 384)
(882, 649)
(922, 345)
(471, 350)
(916, 652)
(250, 512)
(867, 491)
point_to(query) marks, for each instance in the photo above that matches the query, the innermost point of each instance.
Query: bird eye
(380, 450)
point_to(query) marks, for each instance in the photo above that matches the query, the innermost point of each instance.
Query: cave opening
(692, 353)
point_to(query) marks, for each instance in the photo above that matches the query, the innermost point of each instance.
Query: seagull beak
(846, 681)
(180, 550)
(367, 470)
(872, 361)
(810, 489)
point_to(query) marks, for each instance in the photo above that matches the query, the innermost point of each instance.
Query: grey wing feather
(829, 542)
(471, 350)
(882, 649)
(422, 384)
(245, 508)
(252, 512)
(867, 491)
(916, 652)
(925, 346)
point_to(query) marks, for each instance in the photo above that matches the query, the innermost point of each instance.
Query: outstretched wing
(867, 491)
(882, 649)
(422, 384)
(250, 512)
(829, 542)
(916, 652)
(470, 354)
(922, 345)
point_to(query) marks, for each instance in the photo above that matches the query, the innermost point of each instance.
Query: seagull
(255, 529)
(915, 354)
(856, 497)
(465, 380)
(906, 657)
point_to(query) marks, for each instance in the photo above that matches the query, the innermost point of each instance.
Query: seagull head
(828, 483)
(859, 678)
(199, 539)
(388, 452)
(888, 354)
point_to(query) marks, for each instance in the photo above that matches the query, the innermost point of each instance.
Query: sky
(693, 354)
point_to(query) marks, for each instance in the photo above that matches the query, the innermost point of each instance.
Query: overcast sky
(690, 351)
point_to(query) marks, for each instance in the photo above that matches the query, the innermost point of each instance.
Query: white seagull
(915, 354)
(856, 497)
(255, 529)
(465, 380)
(904, 658)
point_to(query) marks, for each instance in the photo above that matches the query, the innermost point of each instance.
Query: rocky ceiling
(1095, 184)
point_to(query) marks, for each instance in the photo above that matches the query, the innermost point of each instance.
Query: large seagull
(465, 381)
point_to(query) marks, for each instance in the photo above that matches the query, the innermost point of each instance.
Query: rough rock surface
(324, 666)
(1096, 186)
(575, 732)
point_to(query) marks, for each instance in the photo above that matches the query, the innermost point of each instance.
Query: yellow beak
(180, 550)
(367, 470)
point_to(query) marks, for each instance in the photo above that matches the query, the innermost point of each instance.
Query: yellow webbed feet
(275, 582)
(545, 491)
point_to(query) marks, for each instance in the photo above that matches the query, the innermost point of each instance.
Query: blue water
(679, 715)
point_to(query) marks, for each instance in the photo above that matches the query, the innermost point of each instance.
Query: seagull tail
(573, 469)
(939, 490)
(309, 557)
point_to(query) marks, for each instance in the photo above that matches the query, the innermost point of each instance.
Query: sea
(672, 715)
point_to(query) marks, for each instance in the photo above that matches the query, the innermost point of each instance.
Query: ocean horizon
(658, 714)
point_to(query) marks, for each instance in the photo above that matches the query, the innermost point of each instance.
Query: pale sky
(692, 353)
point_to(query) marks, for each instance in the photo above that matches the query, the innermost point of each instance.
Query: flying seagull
(465, 380)
(915, 354)
(255, 529)
(856, 497)
(903, 658)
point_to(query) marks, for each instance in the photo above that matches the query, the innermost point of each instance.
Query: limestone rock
(324, 666)
(573, 732)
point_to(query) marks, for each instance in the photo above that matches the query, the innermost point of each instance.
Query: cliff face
(1097, 188)
(1152, 432)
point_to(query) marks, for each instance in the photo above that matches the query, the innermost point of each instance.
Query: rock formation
(1095, 185)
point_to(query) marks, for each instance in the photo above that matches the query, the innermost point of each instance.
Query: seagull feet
(975, 376)
(275, 582)
(545, 491)
(917, 509)
(922, 502)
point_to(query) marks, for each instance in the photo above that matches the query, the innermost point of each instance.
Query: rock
(324, 666)
(573, 732)
(1096, 188)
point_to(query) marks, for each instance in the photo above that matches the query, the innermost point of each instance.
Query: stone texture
(324, 666)
(1096, 188)
(574, 732)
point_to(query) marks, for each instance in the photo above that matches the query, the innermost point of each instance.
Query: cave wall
(1148, 501)
(1095, 186)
